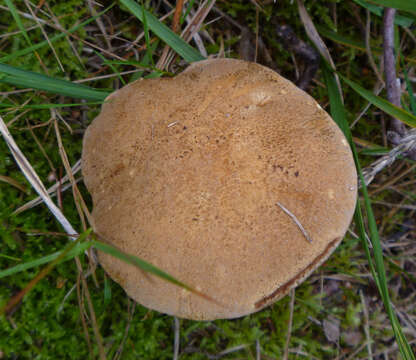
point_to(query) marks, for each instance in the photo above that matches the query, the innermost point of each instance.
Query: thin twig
(9, 180)
(306, 355)
(52, 190)
(366, 326)
(353, 355)
(258, 349)
(398, 129)
(228, 351)
(385, 203)
(190, 30)
(289, 328)
(45, 36)
(166, 53)
(101, 25)
(195, 25)
(83, 313)
(377, 90)
(197, 39)
(393, 180)
(176, 341)
(88, 43)
(228, 18)
(177, 15)
(107, 76)
(393, 91)
(71, 44)
(141, 35)
(296, 221)
(25, 15)
(42, 150)
(95, 327)
(17, 32)
(130, 310)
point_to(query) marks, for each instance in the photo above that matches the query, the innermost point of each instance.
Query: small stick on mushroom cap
(297, 222)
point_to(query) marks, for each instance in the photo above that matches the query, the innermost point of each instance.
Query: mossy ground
(47, 323)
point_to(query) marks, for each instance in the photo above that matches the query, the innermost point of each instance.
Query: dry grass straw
(188, 33)
(60, 185)
(34, 179)
(407, 142)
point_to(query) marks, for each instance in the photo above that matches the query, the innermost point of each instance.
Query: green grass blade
(52, 39)
(341, 39)
(181, 47)
(146, 62)
(337, 107)
(378, 10)
(405, 5)
(8, 106)
(107, 291)
(359, 221)
(78, 249)
(409, 90)
(378, 151)
(16, 18)
(382, 104)
(376, 265)
(29, 79)
(44, 272)
(188, 10)
(113, 68)
(147, 267)
(146, 34)
(141, 264)
(129, 62)
(10, 257)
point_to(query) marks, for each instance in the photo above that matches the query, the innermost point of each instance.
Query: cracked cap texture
(186, 173)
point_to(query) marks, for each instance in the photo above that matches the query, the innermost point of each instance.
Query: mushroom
(228, 177)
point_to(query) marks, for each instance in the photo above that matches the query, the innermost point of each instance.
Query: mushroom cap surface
(187, 173)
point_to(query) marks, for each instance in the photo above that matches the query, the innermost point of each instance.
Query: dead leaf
(331, 328)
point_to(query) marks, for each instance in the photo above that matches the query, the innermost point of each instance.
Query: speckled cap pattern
(187, 173)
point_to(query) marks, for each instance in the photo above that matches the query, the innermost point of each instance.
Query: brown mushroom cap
(186, 173)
